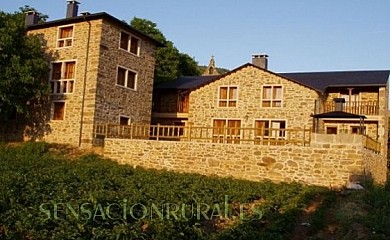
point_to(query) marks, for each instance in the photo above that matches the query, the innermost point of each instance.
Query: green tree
(170, 62)
(23, 69)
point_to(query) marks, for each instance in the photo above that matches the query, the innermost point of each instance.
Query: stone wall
(328, 162)
(203, 105)
(97, 57)
(112, 100)
(68, 130)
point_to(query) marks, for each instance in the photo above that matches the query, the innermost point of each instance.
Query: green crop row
(46, 195)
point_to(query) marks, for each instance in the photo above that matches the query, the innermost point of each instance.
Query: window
(58, 110)
(358, 130)
(227, 131)
(129, 43)
(65, 37)
(269, 129)
(272, 96)
(62, 77)
(331, 130)
(126, 78)
(124, 120)
(227, 96)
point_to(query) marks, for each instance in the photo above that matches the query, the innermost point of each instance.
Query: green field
(48, 192)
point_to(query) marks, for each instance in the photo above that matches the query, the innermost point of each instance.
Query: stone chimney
(72, 9)
(31, 18)
(260, 60)
(339, 104)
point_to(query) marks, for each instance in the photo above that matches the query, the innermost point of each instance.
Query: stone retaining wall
(331, 164)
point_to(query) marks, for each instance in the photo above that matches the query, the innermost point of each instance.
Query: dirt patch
(340, 219)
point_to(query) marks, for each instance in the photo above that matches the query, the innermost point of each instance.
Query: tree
(23, 68)
(170, 62)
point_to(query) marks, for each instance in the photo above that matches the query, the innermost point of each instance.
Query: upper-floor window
(129, 43)
(62, 77)
(227, 96)
(272, 96)
(65, 37)
(126, 78)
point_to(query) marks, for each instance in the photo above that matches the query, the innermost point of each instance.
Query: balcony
(355, 107)
(178, 110)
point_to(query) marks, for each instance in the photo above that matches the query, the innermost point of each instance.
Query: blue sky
(299, 35)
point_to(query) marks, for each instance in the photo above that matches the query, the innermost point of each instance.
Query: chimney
(339, 104)
(72, 9)
(260, 60)
(31, 18)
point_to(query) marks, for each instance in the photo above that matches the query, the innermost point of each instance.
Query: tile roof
(318, 81)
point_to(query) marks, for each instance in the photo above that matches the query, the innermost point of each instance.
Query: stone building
(101, 71)
(251, 96)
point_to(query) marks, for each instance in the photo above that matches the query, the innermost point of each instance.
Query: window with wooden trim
(58, 110)
(269, 129)
(331, 130)
(126, 78)
(272, 96)
(226, 131)
(62, 77)
(358, 129)
(65, 36)
(129, 43)
(228, 96)
(124, 120)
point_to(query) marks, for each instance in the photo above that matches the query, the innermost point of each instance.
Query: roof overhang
(338, 115)
(91, 17)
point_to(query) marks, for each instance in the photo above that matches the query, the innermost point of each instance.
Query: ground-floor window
(58, 110)
(226, 130)
(269, 129)
(331, 130)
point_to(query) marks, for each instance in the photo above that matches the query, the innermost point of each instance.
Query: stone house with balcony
(251, 96)
(101, 71)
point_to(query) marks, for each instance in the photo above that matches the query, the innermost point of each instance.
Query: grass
(45, 194)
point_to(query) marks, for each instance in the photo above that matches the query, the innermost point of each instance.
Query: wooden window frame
(332, 126)
(232, 137)
(228, 100)
(54, 118)
(64, 84)
(272, 100)
(121, 117)
(275, 134)
(129, 46)
(125, 84)
(64, 40)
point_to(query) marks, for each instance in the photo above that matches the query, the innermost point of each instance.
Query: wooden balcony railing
(355, 107)
(372, 144)
(204, 134)
(261, 136)
(181, 107)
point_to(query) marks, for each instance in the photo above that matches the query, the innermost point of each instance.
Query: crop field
(50, 192)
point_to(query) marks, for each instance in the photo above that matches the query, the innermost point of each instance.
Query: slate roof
(322, 80)
(95, 16)
(318, 81)
(185, 83)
